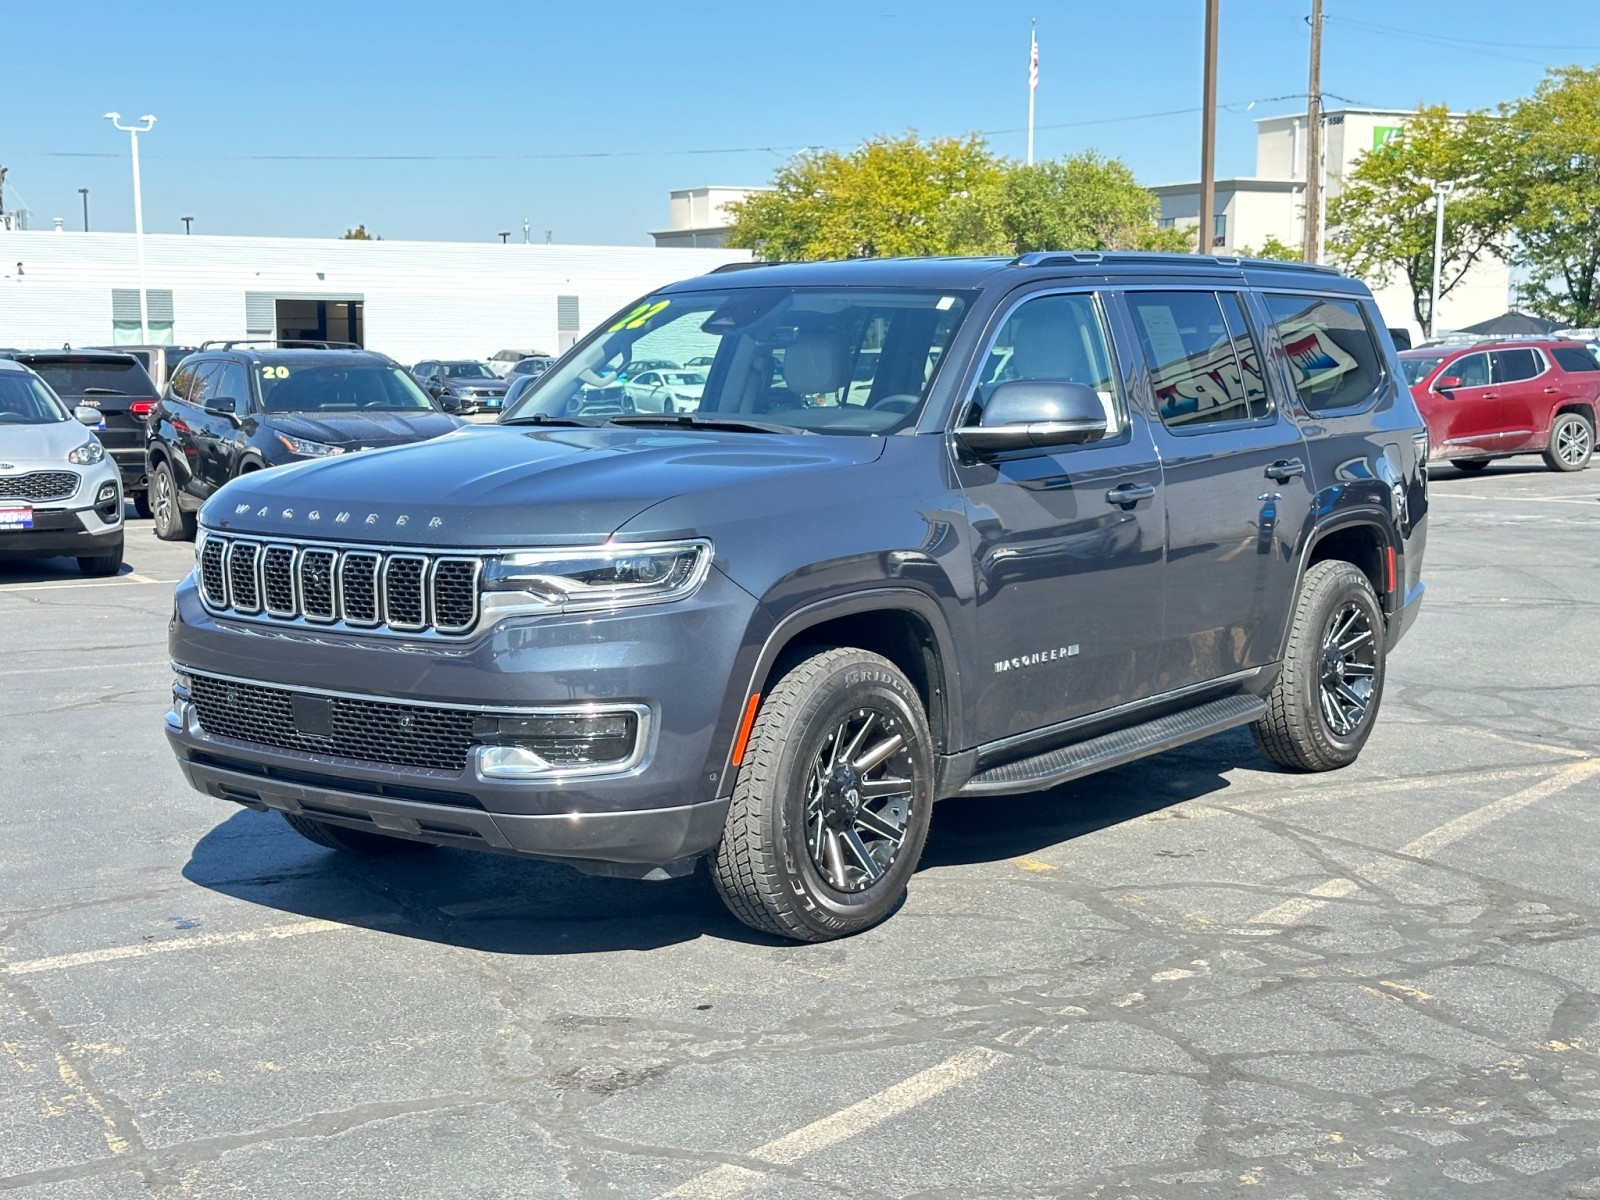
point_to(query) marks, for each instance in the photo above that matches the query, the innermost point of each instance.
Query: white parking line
(61, 962)
(121, 582)
(1587, 501)
(1429, 843)
(729, 1180)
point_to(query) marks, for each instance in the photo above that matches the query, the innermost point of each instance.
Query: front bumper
(78, 532)
(675, 660)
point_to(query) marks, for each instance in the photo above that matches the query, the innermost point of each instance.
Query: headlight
(595, 577)
(308, 448)
(87, 454)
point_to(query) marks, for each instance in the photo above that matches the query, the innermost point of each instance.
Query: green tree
(1554, 177)
(1085, 202)
(1382, 222)
(1274, 249)
(360, 234)
(889, 196)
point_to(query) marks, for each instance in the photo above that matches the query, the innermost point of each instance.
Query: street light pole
(186, 221)
(147, 122)
(84, 192)
(1441, 189)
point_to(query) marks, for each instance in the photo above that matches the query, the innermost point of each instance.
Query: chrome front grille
(360, 587)
(39, 486)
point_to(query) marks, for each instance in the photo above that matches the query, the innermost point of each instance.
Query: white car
(60, 492)
(665, 391)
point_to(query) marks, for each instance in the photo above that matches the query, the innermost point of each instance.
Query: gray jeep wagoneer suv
(936, 528)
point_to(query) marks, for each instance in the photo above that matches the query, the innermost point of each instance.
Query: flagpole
(1033, 80)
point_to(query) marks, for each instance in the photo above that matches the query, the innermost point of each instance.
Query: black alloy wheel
(831, 804)
(1349, 667)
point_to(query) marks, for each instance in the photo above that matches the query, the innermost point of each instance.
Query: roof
(306, 357)
(70, 352)
(1239, 183)
(1490, 343)
(959, 274)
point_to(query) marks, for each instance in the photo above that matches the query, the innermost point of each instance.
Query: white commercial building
(1271, 203)
(410, 300)
(699, 218)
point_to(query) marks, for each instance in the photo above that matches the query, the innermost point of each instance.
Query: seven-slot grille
(39, 486)
(398, 591)
(371, 730)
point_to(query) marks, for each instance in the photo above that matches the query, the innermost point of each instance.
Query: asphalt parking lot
(1194, 976)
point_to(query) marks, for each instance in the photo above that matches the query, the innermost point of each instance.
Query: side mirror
(1036, 413)
(88, 416)
(448, 402)
(227, 406)
(1447, 383)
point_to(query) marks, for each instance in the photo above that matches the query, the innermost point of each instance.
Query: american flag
(1033, 63)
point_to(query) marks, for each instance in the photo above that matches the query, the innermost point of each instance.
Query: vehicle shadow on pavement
(506, 905)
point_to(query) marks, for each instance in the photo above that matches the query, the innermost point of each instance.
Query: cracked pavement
(1190, 977)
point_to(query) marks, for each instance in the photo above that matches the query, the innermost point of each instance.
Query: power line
(1235, 106)
(1445, 41)
(1450, 37)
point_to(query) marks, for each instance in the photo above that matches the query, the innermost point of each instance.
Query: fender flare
(945, 675)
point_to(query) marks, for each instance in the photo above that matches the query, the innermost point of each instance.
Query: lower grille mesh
(368, 730)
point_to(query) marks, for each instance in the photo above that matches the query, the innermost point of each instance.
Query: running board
(1113, 749)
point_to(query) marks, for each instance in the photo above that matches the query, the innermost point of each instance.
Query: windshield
(81, 377)
(26, 401)
(830, 360)
(336, 387)
(1417, 369)
(468, 370)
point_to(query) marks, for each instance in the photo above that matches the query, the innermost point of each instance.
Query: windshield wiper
(101, 392)
(705, 421)
(547, 419)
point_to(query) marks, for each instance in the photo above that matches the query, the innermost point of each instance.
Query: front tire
(172, 523)
(832, 803)
(98, 565)
(1571, 442)
(352, 841)
(1322, 707)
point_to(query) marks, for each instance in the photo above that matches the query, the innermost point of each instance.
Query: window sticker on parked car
(268, 371)
(1314, 358)
(640, 316)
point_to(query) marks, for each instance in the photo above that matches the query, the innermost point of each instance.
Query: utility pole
(84, 192)
(1311, 245)
(1208, 137)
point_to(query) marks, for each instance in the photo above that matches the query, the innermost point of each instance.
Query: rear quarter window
(1332, 355)
(1574, 358)
(69, 378)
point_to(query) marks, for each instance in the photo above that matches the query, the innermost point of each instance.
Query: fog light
(520, 747)
(107, 493)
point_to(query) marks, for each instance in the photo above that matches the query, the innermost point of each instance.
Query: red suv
(1491, 400)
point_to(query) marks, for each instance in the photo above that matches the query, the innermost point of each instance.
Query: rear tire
(172, 523)
(831, 806)
(1322, 707)
(98, 565)
(1571, 442)
(1470, 465)
(352, 841)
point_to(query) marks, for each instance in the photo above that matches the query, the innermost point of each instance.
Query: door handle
(1491, 395)
(1130, 493)
(1286, 469)
(1552, 391)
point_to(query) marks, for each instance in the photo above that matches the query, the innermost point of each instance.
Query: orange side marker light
(745, 726)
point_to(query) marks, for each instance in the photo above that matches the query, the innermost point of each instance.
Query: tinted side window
(1512, 365)
(1196, 368)
(233, 383)
(1332, 356)
(1574, 358)
(182, 380)
(205, 384)
(1058, 338)
(1471, 369)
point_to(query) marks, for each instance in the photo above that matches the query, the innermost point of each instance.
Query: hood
(363, 429)
(502, 485)
(41, 447)
(476, 385)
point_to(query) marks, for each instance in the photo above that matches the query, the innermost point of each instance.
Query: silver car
(60, 493)
(665, 391)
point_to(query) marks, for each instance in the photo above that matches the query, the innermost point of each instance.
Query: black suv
(235, 407)
(118, 385)
(937, 527)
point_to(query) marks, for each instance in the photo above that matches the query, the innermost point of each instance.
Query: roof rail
(1094, 258)
(742, 266)
(281, 343)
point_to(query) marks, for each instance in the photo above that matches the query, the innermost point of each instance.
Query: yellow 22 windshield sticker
(639, 316)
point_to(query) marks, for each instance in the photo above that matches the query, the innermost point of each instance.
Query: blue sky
(595, 108)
